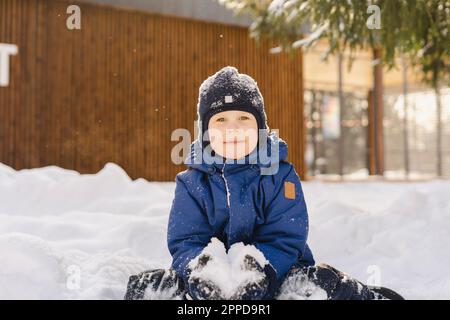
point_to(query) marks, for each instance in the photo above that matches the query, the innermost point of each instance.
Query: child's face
(233, 134)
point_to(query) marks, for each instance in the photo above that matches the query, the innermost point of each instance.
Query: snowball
(227, 270)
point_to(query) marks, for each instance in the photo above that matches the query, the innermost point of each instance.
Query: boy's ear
(289, 190)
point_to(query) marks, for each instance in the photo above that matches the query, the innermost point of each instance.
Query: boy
(238, 225)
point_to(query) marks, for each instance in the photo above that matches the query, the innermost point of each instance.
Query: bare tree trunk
(405, 119)
(437, 92)
(314, 131)
(321, 145)
(341, 112)
(376, 117)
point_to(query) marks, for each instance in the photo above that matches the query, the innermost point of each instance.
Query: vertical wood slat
(81, 98)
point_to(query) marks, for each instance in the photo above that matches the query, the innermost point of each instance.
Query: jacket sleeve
(188, 229)
(282, 238)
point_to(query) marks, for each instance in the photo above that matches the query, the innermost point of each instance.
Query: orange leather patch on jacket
(289, 190)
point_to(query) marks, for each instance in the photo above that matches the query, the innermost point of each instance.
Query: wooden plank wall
(116, 89)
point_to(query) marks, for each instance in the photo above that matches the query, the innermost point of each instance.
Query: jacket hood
(270, 154)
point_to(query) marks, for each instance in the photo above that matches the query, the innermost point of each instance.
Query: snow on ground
(64, 235)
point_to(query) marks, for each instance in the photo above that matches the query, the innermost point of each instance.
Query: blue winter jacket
(235, 202)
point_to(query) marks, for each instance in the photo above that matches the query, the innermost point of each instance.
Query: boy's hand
(242, 273)
(155, 284)
(255, 288)
(200, 288)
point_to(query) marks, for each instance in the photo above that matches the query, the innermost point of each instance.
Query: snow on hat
(226, 90)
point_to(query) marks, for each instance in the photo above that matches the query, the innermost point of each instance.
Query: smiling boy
(238, 224)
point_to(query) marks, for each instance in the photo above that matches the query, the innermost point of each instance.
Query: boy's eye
(220, 119)
(244, 118)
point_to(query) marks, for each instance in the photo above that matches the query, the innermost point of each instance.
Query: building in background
(338, 143)
(204, 10)
(116, 89)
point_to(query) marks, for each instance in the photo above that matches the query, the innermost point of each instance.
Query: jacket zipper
(228, 203)
(226, 185)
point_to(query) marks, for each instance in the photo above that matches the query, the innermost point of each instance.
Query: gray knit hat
(226, 90)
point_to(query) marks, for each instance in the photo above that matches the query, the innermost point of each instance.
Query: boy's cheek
(215, 135)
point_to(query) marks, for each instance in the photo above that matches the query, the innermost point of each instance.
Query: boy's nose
(233, 125)
(233, 132)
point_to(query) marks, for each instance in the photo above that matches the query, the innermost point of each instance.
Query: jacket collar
(270, 154)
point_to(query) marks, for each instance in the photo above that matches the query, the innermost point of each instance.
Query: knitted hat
(229, 90)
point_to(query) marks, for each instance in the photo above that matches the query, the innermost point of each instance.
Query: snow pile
(395, 235)
(69, 236)
(227, 271)
(64, 235)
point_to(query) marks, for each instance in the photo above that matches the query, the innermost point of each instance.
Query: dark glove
(254, 290)
(203, 289)
(155, 284)
(323, 281)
